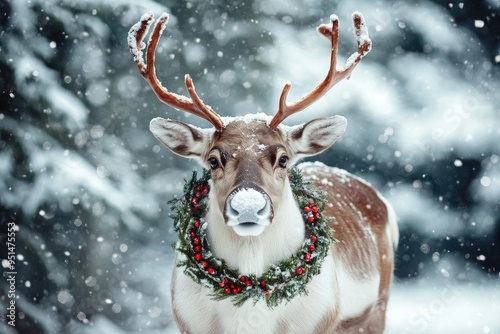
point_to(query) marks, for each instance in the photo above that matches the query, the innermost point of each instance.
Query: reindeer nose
(248, 212)
(248, 205)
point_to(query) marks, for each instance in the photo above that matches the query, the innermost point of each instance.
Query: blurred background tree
(87, 183)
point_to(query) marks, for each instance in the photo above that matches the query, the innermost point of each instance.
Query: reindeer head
(248, 156)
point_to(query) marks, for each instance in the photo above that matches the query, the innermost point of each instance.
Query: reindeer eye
(214, 163)
(282, 161)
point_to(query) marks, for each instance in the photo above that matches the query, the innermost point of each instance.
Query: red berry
(211, 270)
(311, 203)
(248, 283)
(197, 257)
(227, 290)
(299, 271)
(316, 215)
(243, 278)
(205, 191)
(307, 209)
(205, 264)
(222, 284)
(310, 219)
(199, 187)
(266, 292)
(314, 209)
(235, 290)
(196, 241)
(192, 234)
(194, 200)
(195, 208)
(311, 248)
(313, 238)
(197, 249)
(263, 283)
(239, 288)
(196, 224)
(307, 257)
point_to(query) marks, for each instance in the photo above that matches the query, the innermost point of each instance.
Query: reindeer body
(349, 294)
(254, 221)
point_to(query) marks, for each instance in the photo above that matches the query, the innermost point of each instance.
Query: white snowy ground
(444, 309)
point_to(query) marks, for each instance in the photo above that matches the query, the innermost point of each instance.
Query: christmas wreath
(282, 281)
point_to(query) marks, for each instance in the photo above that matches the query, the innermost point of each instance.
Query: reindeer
(253, 218)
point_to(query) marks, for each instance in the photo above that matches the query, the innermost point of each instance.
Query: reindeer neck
(253, 255)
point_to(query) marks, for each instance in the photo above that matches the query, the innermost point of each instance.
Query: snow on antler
(135, 39)
(364, 41)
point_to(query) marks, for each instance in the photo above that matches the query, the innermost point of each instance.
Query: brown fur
(358, 209)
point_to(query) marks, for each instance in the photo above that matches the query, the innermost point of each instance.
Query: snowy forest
(84, 185)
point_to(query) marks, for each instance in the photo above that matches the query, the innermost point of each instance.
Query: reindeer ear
(316, 136)
(181, 138)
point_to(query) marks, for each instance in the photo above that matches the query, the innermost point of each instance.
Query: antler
(193, 105)
(331, 32)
